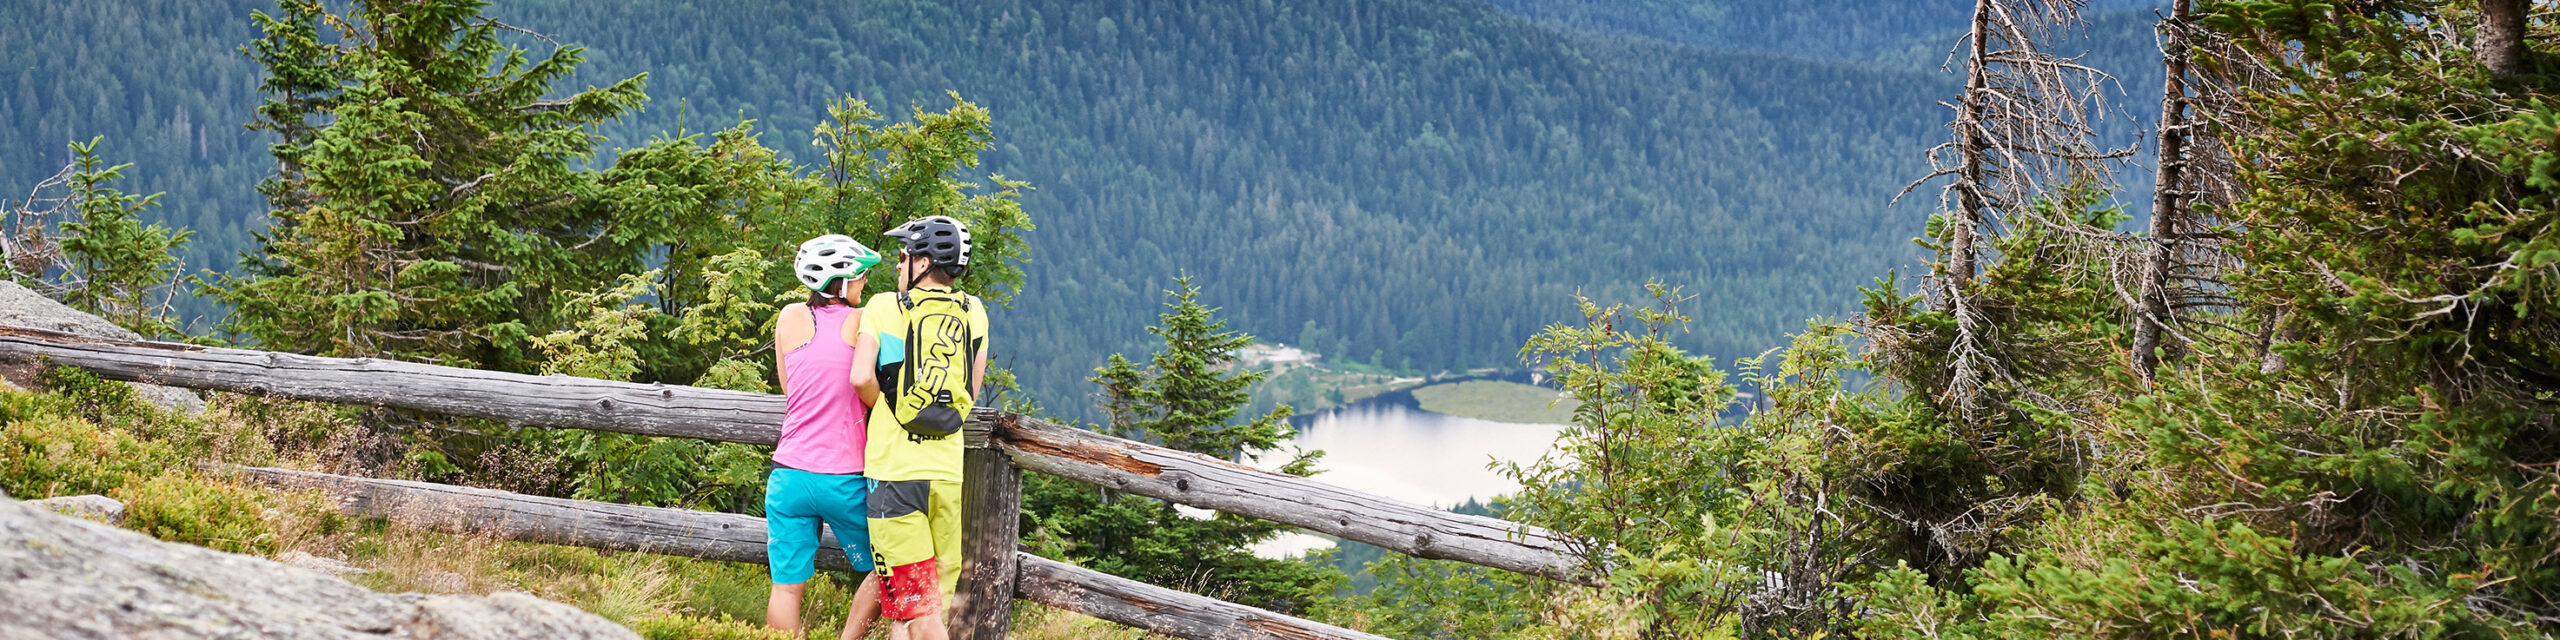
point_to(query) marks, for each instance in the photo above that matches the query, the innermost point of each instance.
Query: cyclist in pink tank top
(817, 464)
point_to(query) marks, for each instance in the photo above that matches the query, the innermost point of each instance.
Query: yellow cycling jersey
(890, 453)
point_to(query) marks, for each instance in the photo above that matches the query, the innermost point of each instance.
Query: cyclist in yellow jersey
(929, 342)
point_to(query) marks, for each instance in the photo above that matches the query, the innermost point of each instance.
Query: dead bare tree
(2165, 212)
(2180, 292)
(29, 243)
(2023, 132)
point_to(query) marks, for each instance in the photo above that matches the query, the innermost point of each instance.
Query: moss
(180, 507)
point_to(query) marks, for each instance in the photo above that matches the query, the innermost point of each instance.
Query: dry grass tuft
(1036, 622)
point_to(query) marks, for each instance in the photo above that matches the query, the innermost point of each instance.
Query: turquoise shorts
(795, 502)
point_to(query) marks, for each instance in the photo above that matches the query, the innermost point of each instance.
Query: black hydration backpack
(942, 356)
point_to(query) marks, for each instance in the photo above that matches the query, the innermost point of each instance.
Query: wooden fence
(1001, 445)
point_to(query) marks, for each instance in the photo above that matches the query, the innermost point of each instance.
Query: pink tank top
(823, 420)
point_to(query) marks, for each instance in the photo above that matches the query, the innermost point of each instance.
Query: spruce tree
(118, 265)
(441, 206)
(1187, 398)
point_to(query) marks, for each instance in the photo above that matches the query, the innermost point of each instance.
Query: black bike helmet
(941, 238)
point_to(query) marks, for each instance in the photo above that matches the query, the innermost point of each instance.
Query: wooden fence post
(991, 497)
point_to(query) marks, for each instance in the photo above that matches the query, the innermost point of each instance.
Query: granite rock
(65, 577)
(20, 306)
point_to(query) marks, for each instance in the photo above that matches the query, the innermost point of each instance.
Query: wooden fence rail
(737, 538)
(734, 416)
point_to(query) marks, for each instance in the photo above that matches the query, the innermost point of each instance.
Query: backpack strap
(907, 334)
(968, 348)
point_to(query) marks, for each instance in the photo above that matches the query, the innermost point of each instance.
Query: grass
(1313, 388)
(1497, 401)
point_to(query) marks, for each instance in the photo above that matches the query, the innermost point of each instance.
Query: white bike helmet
(825, 258)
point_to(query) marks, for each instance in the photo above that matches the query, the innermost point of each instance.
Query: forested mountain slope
(1414, 184)
(1842, 29)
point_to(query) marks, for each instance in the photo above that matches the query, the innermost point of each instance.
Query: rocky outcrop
(20, 306)
(63, 577)
(93, 506)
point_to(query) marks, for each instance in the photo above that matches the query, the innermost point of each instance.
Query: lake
(1389, 446)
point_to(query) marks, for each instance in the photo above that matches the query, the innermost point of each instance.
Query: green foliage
(630, 469)
(1957, 462)
(44, 453)
(1418, 598)
(118, 264)
(440, 207)
(1187, 398)
(731, 315)
(182, 507)
(2358, 443)
(877, 178)
(1189, 394)
(91, 397)
(601, 326)
(432, 202)
(1631, 476)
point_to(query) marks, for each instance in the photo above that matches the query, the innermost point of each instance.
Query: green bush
(98, 399)
(179, 507)
(45, 454)
(17, 404)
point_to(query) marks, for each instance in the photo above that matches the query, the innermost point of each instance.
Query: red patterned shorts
(909, 591)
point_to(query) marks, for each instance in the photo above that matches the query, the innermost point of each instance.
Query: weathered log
(578, 523)
(1210, 483)
(991, 498)
(512, 398)
(1158, 609)
(737, 538)
(733, 416)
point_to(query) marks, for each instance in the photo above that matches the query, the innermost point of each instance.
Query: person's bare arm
(866, 367)
(978, 370)
(978, 374)
(853, 336)
(792, 329)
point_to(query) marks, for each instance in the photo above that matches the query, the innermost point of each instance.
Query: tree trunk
(1975, 148)
(2501, 38)
(2167, 208)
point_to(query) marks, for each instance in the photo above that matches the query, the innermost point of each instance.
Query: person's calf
(782, 607)
(865, 610)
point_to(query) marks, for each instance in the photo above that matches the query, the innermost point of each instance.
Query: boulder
(20, 306)
(64, 577)
(331, 566)
(92, 506)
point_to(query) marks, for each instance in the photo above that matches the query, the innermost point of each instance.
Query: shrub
(46, 454)
(16, 405)
(180, 507)
(98, 399)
